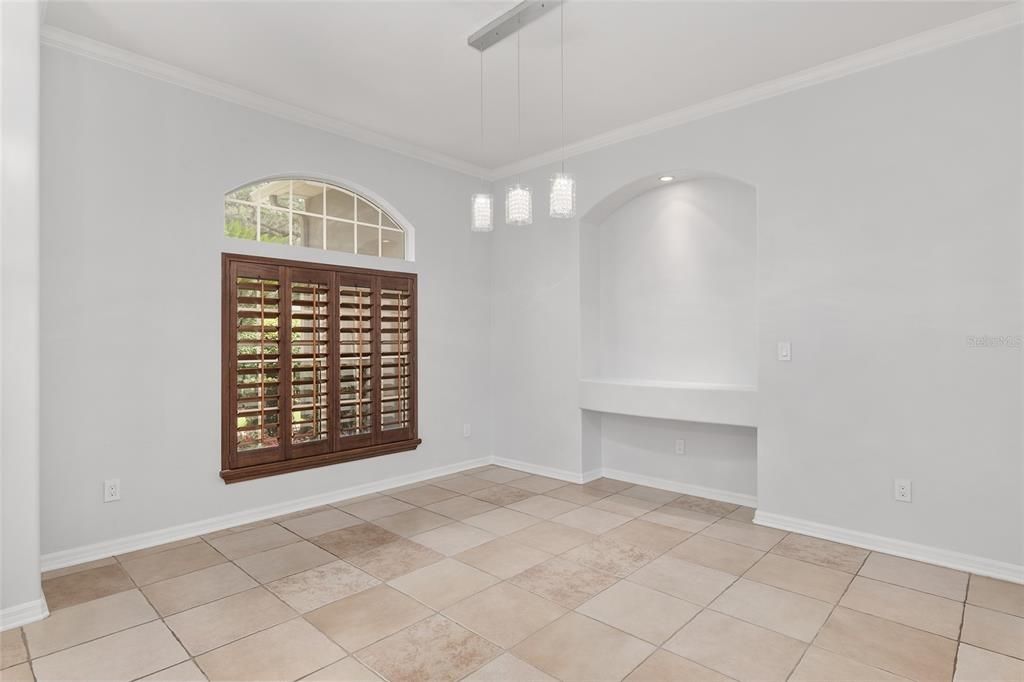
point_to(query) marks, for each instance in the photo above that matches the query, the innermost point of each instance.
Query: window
(319, 365)
(312, 214)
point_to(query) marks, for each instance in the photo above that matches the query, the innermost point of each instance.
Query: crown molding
(972, 27)
(146, 66)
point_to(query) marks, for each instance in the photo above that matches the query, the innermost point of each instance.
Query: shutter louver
(396, 359)
(310, 386)
(355, 359)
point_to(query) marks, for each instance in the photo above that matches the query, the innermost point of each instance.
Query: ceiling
(403, 69)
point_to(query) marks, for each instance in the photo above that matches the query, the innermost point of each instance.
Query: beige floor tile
(174, 562)
(596, 521)
(501, 494)
(434, 649)
(503, 557)
(697, 584)
(944, 582)
(442, 584)
(346, 670)
(17, 673)
(504, 614)
(395, 559)
(502, 521)
(508, 668)
(818, 665)
(88, 565)
(997, 595)
(301, 513)
(284, 652)
(217, 623)
(704, 505)
(501, 475)
(642, 612)
(253, 541)
(718, 554)
(464, 484)
(732, 647)
(977, 665)
(156, 549)
(412, 522)
(460, 507)
(284, 561)
(683, 519)
(821, 552)
(578, 649)
(577, 494)
(993, 630)
(453, 538)
(646, 534)
(12, 648)
(252, 526)
(423, 495)
(376, 507)
(186, 671)
(354, 540)
(563, 582)
(743, 515)
(320, 522)
(643, 492)
(662, 666)
(197, 588)
(826, 584)
(607, 485)
(125, 655)
(322, 585)
(551, 537)
(536, 484)
(746, 534)
(543, 506)
(788, 613)
(83, 622)
(84, 586)
(881, 643)
(610, 556)
(900, 604)
(625, 505)
(365, 617)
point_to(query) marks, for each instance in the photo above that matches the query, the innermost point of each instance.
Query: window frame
(287, 456)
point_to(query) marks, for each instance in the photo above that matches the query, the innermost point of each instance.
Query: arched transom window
(313, 214)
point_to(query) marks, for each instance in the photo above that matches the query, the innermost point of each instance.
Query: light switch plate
(785, 351)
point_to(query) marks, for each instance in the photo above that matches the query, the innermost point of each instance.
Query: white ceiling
(403, 69)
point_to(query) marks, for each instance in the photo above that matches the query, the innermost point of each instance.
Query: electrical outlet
(902, 490)
(467, 430)
(680, 447)
(785, 351)
(112, 490)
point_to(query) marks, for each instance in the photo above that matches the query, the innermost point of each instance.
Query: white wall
(677, 277)
(19, 301)
(889, 230)
(134, 172)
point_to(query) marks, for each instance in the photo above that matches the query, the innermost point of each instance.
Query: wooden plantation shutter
(319, 365)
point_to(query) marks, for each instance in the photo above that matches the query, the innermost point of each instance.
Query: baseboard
(23, 614)
(560, 474)
(908, 550)
(684, 488)
(101, 550)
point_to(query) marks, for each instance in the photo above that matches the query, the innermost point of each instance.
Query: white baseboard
(683, 488)
(101, 550)
(23, 614)
(908, 550)
(560, 474)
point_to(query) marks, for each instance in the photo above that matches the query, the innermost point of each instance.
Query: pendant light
(563, 185)
(518, 199)
(482, 205)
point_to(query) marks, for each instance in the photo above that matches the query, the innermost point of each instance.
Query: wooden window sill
(300, 463)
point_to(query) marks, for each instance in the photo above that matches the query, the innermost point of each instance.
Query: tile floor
(494, 574)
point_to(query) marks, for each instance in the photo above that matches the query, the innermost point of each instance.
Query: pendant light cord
(519, 99)
(561, 69)
(481, 102)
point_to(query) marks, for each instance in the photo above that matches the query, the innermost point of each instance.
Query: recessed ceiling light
(667, 178)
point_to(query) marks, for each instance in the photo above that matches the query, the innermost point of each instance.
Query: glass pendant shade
(518, 205)
(563, 196)
(482, 215)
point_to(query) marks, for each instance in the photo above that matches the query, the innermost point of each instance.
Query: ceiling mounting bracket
(510, 22)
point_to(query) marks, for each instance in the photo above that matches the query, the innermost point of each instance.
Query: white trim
(101, 550)
(23, 614)
(909, 550)
(560, 474)
(94, 49)
(683, 488)
(972, 27)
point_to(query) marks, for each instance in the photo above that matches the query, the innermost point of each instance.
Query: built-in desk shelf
(692, 402)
